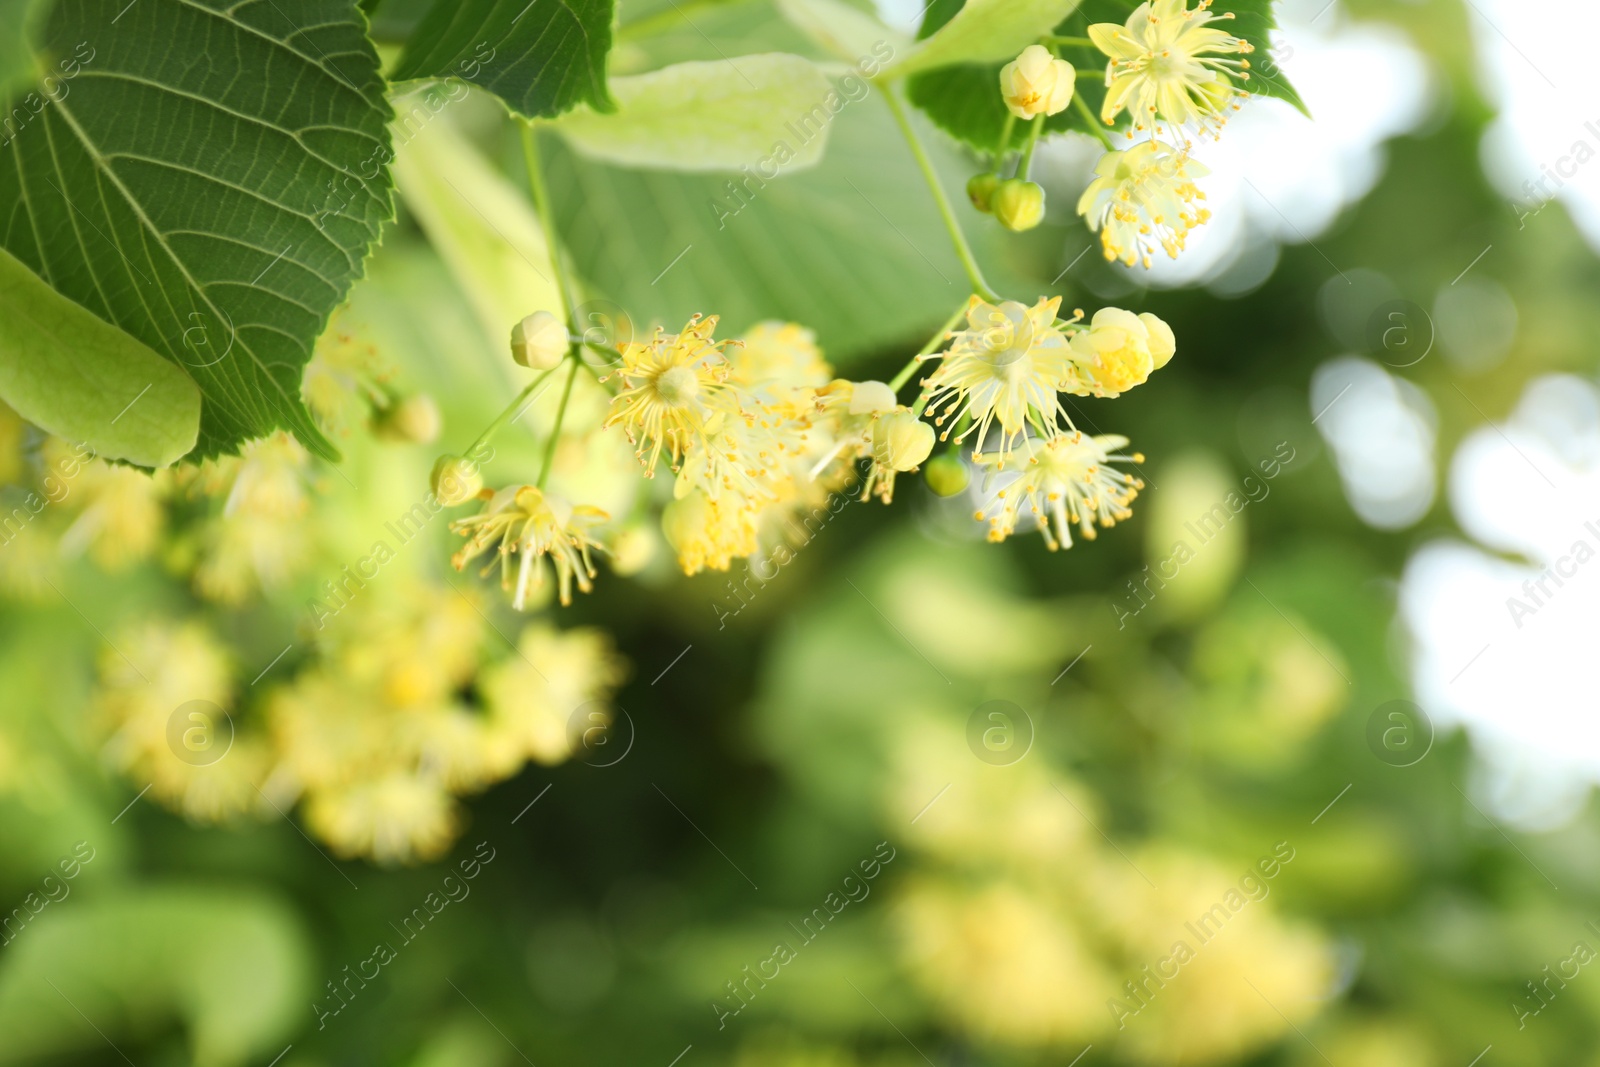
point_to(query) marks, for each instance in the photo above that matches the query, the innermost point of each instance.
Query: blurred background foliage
(781, 727)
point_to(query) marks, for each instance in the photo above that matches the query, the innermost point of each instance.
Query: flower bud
(539, 341)
(980, 190)
(413, 420)
(1118, 350)
(947, 475)
(632, 549)
(1019, 204)
(1037, 83)
(868, 398)
(901, 440)
(455, 480)
(1163, 345)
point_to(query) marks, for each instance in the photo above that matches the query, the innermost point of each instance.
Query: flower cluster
(393, 717)
(1172, 71)
(757, 433)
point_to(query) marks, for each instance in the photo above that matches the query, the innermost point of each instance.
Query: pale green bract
(842, 30)
(482, 226)
(718, 115)
(83, 380)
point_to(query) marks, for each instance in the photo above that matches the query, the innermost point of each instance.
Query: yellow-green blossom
(1003, 371)
(531, 525)
(1118, 350)
(1070, 481)
(1164, 66)
(1143, 199)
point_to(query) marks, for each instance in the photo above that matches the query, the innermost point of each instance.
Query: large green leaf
(542, 57)
(983, 31)
(15, 60)
(707, 116)
(69, 372)
(211, 183)
(233, 966)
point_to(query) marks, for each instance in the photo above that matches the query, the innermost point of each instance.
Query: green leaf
(70, 373)
(542, 57)
(984, 31)
(711, 116)
(233, 966)
(1254, 20)
(210, 181)
(852, 248)
(15, 60)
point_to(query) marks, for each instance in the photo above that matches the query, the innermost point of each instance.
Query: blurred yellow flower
(120, 517)
(1001, 964)
(397, 818)
(531, 525)
(779, 353)
(708, 532)
(1203, 1009)
(533, 695)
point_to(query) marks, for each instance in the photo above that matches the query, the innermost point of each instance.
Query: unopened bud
(1163, 345)
(539, 341)
(1019, 204)
(900, 440)
(455, 480)
(413, 420)
(632, 549)
(980, 190)
(947, 475)
(1037, 83)
(869, 398)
